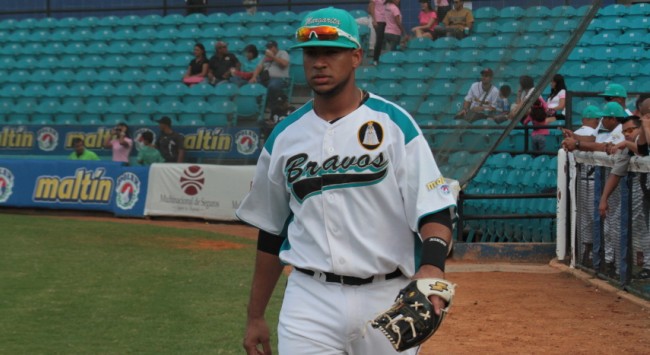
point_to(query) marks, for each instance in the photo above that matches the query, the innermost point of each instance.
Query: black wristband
(434, 252)
(269, 243)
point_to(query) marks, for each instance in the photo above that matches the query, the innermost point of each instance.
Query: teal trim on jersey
(417, 251)
(282, 125)
(402, 120)
(286, 245)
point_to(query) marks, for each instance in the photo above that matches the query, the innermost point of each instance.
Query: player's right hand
(257, 334)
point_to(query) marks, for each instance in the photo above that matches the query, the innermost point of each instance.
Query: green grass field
(84, 287)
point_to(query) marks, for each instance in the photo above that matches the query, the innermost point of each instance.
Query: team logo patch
(48, 139)
(445, 189)
(138, 137)
(6, 184)
(370, 135)
(192, 180)
(246, 142)
(127, 191)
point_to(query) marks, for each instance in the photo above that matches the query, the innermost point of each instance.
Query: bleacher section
(96, 71)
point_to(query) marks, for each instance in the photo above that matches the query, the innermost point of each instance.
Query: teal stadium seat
(129, 20)
(388, 74)
(113, 119)
(41, 119)
(191, 120)
(250, 102)
(216, 18)
(225, 113)
(445, 43)
(102, 89)
(472, 42)
(120, 105)
(486, 13)
(512, 27)
(11, 90)
(17, 119)
(535, 12)
(285, 17)
(390, 90)
(420, 43)
(139, 119)
(500, 41)
(72, 105)
(393, 57)
(225, 91)
(34, 90)
(65, 119)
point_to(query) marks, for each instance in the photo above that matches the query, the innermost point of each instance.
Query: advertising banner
(76, 185)
(200, 142)
(201, 191)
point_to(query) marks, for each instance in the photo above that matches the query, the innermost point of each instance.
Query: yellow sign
(86, 186)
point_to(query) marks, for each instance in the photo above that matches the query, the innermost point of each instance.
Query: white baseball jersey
(352, 191)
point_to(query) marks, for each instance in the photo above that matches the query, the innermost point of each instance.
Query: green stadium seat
(225, 91)
(190, 101)
(472, 42)
(538, 27)
(486, 13)
(605, 38)
(72, 105)
(96, 105)
(442, 88)
(501, 41)
(144, 33)
(173, 19)
(216, 18)
(420, 43)
(633, 38)
(17, 119)
(415, 73)
(46, 23)
(409, 103)
(139, 119)
(11, 90)
(260, 17)
(389, 90)
(580, 54)
(566, 25)
(65, 119)
(389, 73)
(77, 48)
(26, 105)
(55, 89)
(486, 28)
(201, 89)
(173, 106)
(635, 53)
(25, 63)
(251, 101)
(33, 90)
(90, 119)
(445, 43)
(512, 27)
(393, 57)
(285, 17)
(555, 40)
(40, 35)
(129, 21)
(113, 119)
(175, 89)
(239, 18)
(102, 89)
(367, 86)
(120, 105)
(107, 21)
(615, 10)
(41, 119)
(535, 12)
(145, 105)
(191, 120)
(525, 55)
(512, 12)
(62, 76)
(195, 19)
(6, 103)
(225, 113)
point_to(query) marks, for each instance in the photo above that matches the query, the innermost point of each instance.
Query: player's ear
(357, 57)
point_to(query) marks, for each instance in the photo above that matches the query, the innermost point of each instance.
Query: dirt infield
(512, 308)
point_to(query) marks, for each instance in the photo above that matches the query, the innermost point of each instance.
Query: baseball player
(346, 191)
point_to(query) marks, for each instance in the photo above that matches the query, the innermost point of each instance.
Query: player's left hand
(603, 206)
(432, 272)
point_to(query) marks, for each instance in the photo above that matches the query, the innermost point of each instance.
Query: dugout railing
(616, 247)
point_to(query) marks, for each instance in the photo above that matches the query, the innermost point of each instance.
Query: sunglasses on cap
(323, 33)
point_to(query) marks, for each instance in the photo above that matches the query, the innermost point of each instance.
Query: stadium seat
(445, 43)
(367, 73)
(512, 12)
(224, 113)
(285, 17)
(637, 22)
(388, 74)
(225, 91)
(90, 119)
(65, 119)
(486, 13)
(144, 32)
(448, 72)
(555, 40)
(41, 119)
(12, 90)
(390, 90)
(191, 120)
(72, 105)
(525, 55)
(614, 10)
(535, 12)
(250, 102)
(511, 27)
(113, 119)
(6, 103)
(419, 43)
(393, 57)
(472, 42)
(17, 119)
(34, 90)
(501, 41)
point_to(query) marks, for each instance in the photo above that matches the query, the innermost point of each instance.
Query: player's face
(330, 69)
(609, 123)
(79, 147)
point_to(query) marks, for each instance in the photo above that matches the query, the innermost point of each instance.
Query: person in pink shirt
(394, 28)
(120, 143)
(376, 12)
(428, 19)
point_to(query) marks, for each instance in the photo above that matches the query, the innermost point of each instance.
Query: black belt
(349, 280)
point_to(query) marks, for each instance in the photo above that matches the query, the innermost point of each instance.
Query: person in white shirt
(481, 99)
(557, 99)
(612, 134)
(591, 116)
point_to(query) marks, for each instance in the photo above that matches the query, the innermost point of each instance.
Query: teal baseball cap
(615, 90)
(592, 111)
(614, 109)
(328, 27)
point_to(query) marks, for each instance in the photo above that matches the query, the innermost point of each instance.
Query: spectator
(457, 23)
(242, 76)
(639, 103)
(427, 19)
(250, 6)
(591, 116)
(170, 143)
(502, 107)
(120, 143)
(613, 135)
(221, 63)
(526, 87)
(617, 93)
(367, 21)
(394, 28)
(442, 7)
(537, 115)
(198, 68)
(279, 110)
(196, 7)
(481, 98)
(276, 64)
(644, 137)
(80, 151)
(630, 130)
(148, 154)
(376, 9)
(557, 100)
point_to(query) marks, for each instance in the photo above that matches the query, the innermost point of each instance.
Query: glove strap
(434, 252)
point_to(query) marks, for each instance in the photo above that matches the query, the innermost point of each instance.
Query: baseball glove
(412, 320)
